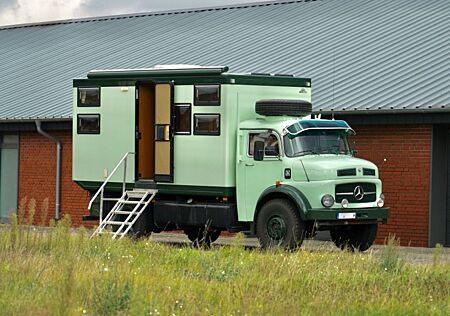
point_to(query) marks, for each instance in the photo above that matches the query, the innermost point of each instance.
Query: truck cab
(297, 176)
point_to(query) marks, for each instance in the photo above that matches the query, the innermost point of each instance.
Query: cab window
(271, 143)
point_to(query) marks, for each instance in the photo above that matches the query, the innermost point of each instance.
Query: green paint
(164, 189)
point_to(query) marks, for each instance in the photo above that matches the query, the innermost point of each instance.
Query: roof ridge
(155, 13)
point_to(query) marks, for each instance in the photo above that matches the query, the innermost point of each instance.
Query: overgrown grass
(59, 272)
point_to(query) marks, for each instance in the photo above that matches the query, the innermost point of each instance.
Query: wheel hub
(276, 228)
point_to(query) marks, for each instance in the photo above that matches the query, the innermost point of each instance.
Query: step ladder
(122, 217)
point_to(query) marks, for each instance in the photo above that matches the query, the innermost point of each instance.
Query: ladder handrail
(102, 187)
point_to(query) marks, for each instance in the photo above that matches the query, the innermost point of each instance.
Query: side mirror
(258, 150)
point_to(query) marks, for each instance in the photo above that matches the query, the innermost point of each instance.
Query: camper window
(207, 94)
(183, 119)
(207, 124)
(88, 124)
(89, 96)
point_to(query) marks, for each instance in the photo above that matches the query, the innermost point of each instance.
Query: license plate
(346, 215)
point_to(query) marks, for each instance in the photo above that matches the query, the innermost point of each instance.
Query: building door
(9, 172)
(164, 132)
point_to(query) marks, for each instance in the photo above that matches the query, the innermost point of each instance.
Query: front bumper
(379, 214)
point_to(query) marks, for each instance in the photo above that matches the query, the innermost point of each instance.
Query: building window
(207, 124)
(88, 124)
(183, 119)
(89, 96)
(271, 143)
(207, 94)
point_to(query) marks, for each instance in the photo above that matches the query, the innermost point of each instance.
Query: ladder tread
(124, 212)
(116, 223)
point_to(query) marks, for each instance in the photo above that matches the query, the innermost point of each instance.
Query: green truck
(203, 150)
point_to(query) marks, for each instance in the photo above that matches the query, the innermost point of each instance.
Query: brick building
(381, 65)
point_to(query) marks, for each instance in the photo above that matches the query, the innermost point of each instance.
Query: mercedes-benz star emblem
(358, 193)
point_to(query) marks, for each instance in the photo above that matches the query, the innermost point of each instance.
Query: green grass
(59, 272)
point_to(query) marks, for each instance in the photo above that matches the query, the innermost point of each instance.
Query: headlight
(380, 202)
(344, 203)
(327, 200)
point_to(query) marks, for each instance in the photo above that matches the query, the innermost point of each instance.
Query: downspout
(58, 166)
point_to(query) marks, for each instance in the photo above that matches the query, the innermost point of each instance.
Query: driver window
(271, 143)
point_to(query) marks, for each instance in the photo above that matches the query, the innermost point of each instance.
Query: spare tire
(283, 107)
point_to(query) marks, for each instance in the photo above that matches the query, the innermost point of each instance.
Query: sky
(29, 11)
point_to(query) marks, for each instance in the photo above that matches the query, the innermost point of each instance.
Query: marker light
(327, 200)
(380, 202)
(344, 203)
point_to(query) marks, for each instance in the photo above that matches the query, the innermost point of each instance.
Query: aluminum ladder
(121, 218)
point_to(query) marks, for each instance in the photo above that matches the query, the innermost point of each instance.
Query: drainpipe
(58, 166)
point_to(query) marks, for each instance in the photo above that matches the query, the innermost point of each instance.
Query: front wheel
(279, 225)
(359, 237)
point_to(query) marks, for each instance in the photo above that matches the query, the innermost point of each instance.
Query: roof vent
(283, 107)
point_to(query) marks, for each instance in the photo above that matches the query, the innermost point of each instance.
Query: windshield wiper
(306, 152)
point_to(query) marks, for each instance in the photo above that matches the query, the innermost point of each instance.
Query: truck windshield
(315, 142)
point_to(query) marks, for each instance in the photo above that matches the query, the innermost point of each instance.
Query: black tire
(283, 107)
(201, 237)
(357, 237)
(279, 225)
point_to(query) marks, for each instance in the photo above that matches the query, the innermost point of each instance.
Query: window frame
(268, 157)
(80, 105)
(207, 133)
(79, 132)
(190, 118)
(207, 103)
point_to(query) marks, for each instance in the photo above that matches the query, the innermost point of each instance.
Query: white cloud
(26, 11)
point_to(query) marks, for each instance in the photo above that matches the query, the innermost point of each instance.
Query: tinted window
(206, 124)
(89, 96)
(182, 118)
(207, 94)
(88, 124)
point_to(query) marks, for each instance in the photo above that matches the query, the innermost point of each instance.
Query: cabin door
(163, 132)
(146, 132)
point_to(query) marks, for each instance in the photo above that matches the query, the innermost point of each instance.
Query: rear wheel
(201, 237)
(359, 237)
(279, 225)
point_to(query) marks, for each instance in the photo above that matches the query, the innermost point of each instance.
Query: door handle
(249, 164)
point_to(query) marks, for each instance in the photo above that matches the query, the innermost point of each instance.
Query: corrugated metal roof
(362, 55)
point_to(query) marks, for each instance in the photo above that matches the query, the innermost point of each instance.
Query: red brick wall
(37, 172)
(405, 175)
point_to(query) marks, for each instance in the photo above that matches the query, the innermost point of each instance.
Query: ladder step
(116, 223)
(128, 202)
(123, 212)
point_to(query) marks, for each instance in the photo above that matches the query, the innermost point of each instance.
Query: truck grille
(353, 191)
(346, 172)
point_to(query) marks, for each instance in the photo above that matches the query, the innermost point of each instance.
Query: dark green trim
(156, 73)
(361, 214)
(196, 190)
(294, 194)
(190, 80)
(93, 186)
(165, 188)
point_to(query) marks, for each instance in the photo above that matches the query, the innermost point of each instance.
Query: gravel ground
(413, 255)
